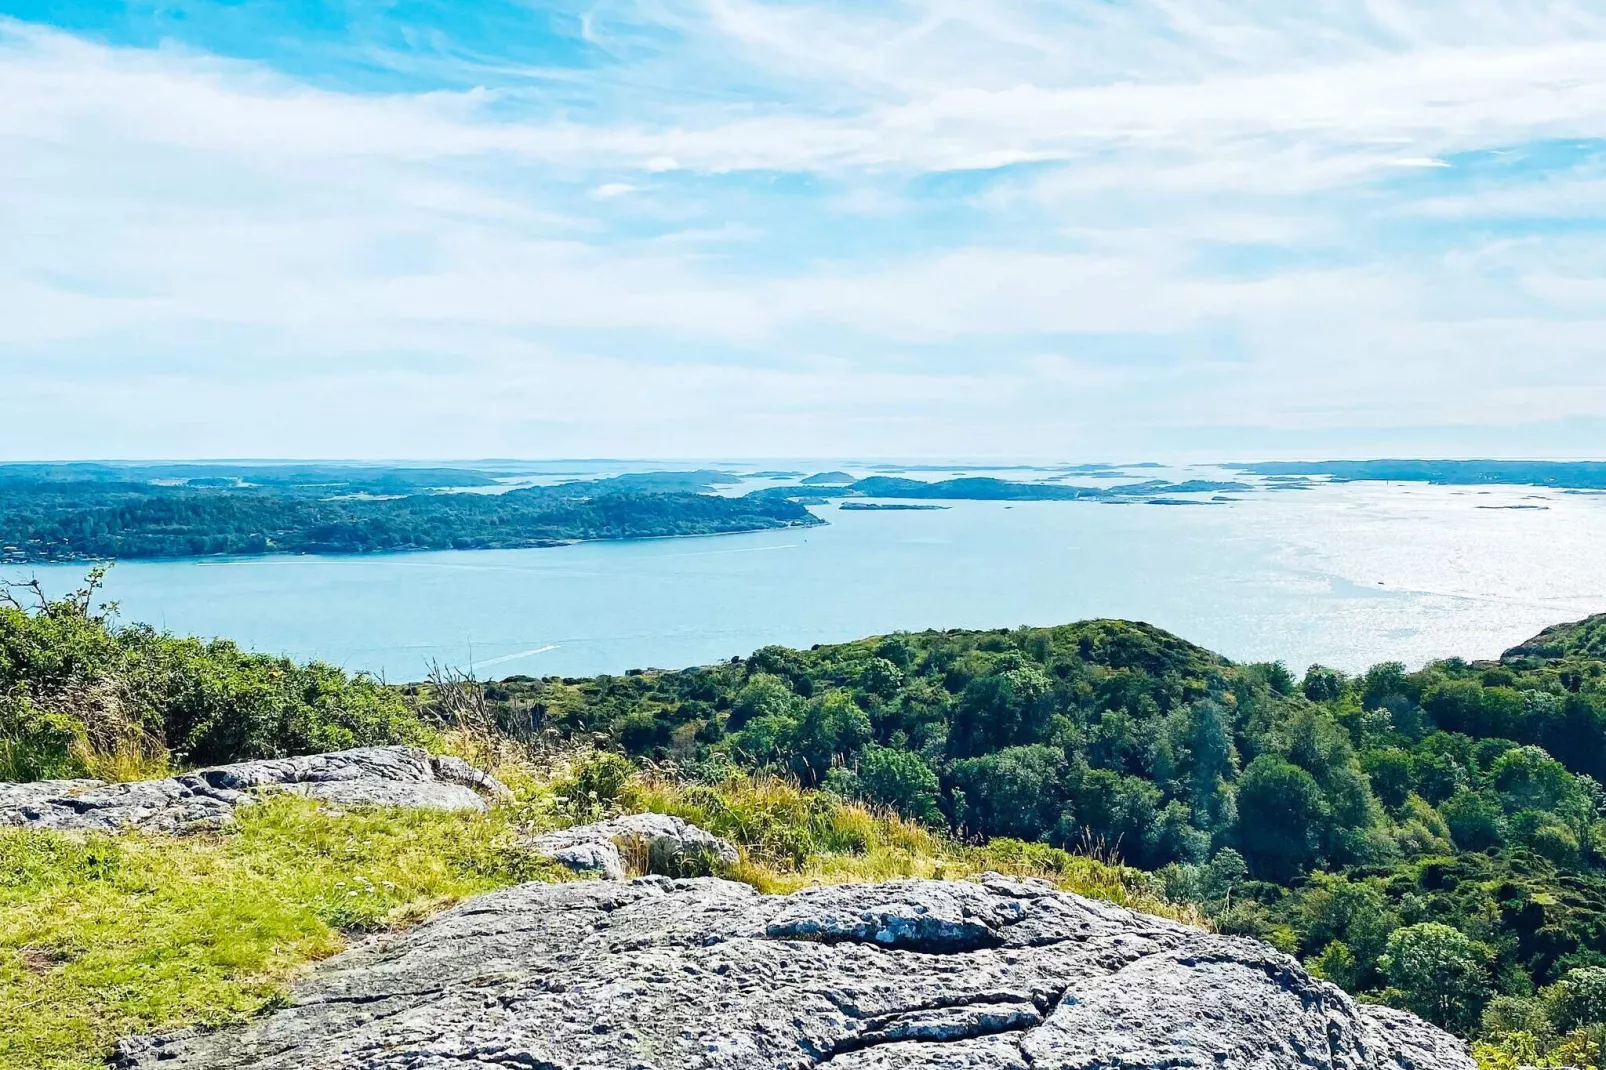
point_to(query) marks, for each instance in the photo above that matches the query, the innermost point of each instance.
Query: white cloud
(1204, 215)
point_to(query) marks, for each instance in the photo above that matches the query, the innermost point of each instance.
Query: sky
(1108, 229)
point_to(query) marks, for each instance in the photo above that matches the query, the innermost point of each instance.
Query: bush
(78, 694)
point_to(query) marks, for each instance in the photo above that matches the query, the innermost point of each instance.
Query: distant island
(985, 488)
(99, 512)
(104, 510)
(86, 511)
(1583, 475)
(827, 479)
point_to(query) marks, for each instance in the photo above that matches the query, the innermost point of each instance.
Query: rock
(206, 798)
(595, 848)
(706, 974)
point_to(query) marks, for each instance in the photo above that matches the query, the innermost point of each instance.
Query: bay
(1342, 574)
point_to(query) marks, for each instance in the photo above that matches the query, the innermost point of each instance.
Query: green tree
(1440, 973)
(1004, 708)
(1392, 773)
(832, 728)
(901, 780)
(1474, 820)
(1322, 684)
(1120, 812)
(1280, 812)
(1529, 779)
(1016, 792)
(765, 695)
(1578, 1000)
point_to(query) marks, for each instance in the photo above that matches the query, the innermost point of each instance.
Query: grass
(106, 936)
(791, 838)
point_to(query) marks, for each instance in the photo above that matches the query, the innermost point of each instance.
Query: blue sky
(702, 228)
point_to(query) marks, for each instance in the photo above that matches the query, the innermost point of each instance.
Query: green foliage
(1341, 818)
(1280, 815)
(1014, 792)
(1438, 972)
(106, 936)
(901, 780)
(1323, 815)
(1578, 1000)
(77, 691)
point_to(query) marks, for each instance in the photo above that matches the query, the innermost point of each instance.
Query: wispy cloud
(720, 226)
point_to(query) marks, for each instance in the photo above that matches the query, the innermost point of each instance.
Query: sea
(1341, 574)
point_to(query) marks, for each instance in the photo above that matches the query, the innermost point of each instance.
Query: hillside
(1338, 817)
(1582, 642)
(1368, 824)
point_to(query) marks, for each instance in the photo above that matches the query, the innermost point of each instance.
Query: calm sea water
(1346, 575)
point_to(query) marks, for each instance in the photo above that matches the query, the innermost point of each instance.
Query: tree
(1440, 973)
(1176, 839)
(1392, 774)
(1280, 813)
(1322, 684)
(1383, 683)
(1013, 792)
(832, 727)
(1336, 963)
(1474, 820)
(901, 780)
(1529, 779)
(1119, 811)
(764, 696)
(1578, 1000)
(1209, 762)
(881, 677)
(1002, 709)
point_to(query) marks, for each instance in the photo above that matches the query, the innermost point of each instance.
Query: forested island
(68, 513)
(105, 511)
(1569, 475)
(95, 512)
(1433, 839)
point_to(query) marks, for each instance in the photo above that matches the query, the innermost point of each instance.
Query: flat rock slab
(707, 974)
(206, 798)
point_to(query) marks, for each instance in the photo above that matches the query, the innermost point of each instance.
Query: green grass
(107, 936)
